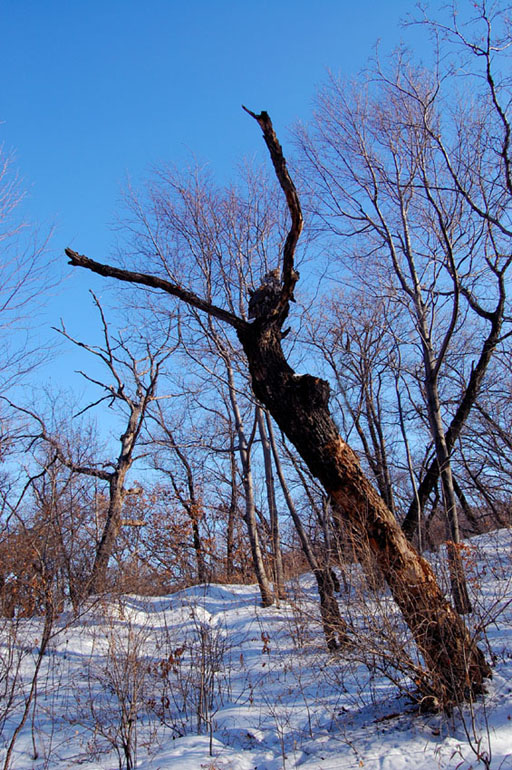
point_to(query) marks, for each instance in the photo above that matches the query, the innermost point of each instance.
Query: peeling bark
(299, 405)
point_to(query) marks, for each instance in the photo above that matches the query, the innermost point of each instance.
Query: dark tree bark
(299, 405)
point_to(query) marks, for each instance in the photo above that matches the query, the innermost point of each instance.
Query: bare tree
(299, 404)
(420, 185)
(272, 503)
(129, 373)
(479, 167)
(190, 496)
(333, 625)
(24, 277)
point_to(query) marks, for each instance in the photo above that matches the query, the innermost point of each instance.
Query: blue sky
(93, 92)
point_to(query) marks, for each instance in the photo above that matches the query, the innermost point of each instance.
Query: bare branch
(289, 275)
(154, 282)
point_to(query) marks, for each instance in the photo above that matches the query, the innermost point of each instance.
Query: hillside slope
(205, 678)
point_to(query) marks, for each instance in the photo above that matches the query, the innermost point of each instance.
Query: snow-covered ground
(206, 678)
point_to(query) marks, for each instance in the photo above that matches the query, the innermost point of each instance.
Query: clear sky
(93, 92)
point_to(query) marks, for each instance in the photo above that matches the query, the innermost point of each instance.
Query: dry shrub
(380, 646)
(112, 704)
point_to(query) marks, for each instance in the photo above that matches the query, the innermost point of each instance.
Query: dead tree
(300, 406)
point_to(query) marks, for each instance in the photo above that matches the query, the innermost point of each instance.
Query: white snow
(255, 683)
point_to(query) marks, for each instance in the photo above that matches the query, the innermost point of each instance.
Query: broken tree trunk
(299, 405)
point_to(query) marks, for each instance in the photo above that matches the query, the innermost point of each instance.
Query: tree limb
(289, 275)
(154, 282)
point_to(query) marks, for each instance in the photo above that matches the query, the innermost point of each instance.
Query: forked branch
(289, 275)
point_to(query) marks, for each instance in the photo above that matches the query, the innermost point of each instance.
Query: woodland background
(165, 471)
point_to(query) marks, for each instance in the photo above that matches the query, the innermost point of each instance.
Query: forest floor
(206, 678)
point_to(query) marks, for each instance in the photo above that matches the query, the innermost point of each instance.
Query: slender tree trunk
(267, 597)
(111, 529)
(233, 506)
(202, 572)
(49, 619)
(299, 405)
(455, 564)
(335, 628)
(410, 466)
(272, 507)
